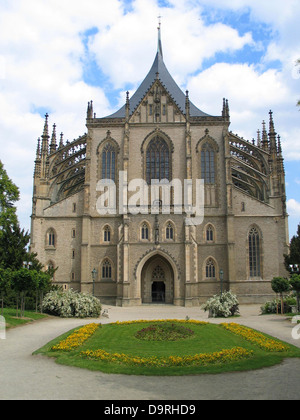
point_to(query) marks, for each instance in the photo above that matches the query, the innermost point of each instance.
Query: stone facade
(161, 256)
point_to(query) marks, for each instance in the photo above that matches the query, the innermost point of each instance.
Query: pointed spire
(45, 137)
(224, 108)
(90, 110)
(258, 139)
(272, 134)
(53, 144)
(279, 150)
(46, 133)
(265, 142)
(61, 142)
(225, 111)
(38, 149)
(37, 166)
(187, 104)
(159, 44)
(127, 106)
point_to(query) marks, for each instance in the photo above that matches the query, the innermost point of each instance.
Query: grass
(12, 320)
(208, 338)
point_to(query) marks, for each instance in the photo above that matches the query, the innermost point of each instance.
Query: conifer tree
(294, 255)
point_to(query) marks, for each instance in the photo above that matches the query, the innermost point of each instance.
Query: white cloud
(293, 208)
(182, 27)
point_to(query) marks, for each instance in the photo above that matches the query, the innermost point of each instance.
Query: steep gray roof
(167, 81)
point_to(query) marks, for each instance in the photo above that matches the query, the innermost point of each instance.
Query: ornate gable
(157, 106)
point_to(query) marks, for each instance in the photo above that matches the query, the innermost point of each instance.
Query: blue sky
(63, 54)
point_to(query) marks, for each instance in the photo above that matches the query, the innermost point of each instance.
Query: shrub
(274, 306)
(71, 304)
(280, 285)
(224, 305)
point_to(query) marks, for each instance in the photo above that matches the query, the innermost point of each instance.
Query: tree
(5, 285)
(294, 255)
(295, 283)
(13, 239)
(13, 243)
(9, 194)
(280, 285)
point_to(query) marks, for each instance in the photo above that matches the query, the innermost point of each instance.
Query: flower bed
(228, 355)
(77, 338)
(255, 337)
(166, 331)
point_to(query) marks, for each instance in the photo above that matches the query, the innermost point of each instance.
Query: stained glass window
(109, 162)
(157, 160)
(254, 253)
(208, 164)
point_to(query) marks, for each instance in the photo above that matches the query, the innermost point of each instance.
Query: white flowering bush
(224, 305)
(71, 304)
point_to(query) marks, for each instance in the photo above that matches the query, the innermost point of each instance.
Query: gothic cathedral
(88, 223)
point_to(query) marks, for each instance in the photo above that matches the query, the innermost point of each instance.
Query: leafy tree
(23, 281)
(295, 283)
(294, 255)
(280, 285)
(13, 243)
(13, 239)
(9, 195)
(5, 285)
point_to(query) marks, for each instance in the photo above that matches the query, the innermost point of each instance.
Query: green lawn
(208, 338)
(13, 321)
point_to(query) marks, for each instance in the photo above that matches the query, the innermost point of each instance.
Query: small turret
(258, 139)
(37, 166)
(45, 138)
(265, 142)
(187, 105)
(53, 144)
(225, 111)
(127, 106)
(272, 135)
(90, 110)
(61, 141)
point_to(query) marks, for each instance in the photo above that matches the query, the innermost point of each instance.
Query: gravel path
(27, 377)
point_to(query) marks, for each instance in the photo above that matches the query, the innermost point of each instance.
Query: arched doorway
(158, 292)
(157, 281)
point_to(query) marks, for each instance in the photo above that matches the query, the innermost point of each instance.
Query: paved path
(24, 376)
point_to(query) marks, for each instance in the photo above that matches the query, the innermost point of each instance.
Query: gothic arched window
(106, 234)
(51, 238)
(109, 162)
(210, 269)
(254, 253)
(208, 164)
(158, 160)
(210, 234)
(145, 231)
(169, 231)
(106, 270)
